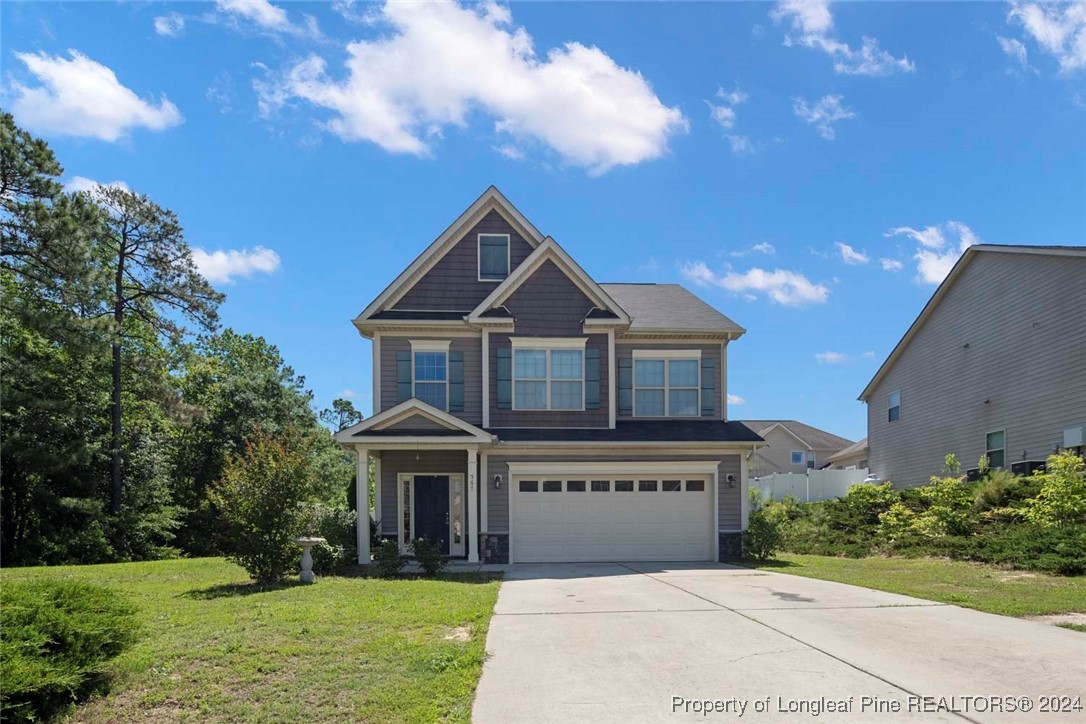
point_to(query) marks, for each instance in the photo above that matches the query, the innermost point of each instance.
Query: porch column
(362, 504)
(473, 508)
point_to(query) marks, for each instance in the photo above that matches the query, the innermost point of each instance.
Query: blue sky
(810, 169)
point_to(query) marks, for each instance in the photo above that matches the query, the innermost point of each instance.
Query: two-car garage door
(601, 517)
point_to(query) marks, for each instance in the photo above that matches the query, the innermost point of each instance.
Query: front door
(432, 509)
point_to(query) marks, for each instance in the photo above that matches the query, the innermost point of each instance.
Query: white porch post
(473, 508)
(362, 504)
(744, 490)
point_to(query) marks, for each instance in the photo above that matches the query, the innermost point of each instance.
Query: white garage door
(612, 518)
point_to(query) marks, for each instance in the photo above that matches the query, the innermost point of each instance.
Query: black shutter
(456, 381)
(708, 387)
(592, 379)
(403, 375)
(504, 377)
(625, 386)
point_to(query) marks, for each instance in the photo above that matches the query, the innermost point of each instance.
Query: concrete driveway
(650, 642)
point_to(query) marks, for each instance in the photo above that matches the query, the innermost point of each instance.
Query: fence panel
(814, 485)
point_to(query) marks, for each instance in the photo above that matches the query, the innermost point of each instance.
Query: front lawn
(346, 649)
(972, 585)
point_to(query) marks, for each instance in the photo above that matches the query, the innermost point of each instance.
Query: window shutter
(591, 379)
(505, 377)
(708, 387)
(403, 375)
(456, 381)
(625, 386)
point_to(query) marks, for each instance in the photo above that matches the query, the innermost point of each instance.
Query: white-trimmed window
(797, 457)
(893, 406)
(430, 372)
(667, 383)
(493, 257)
(548, 374)
(995, 447)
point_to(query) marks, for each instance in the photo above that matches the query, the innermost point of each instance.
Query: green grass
(972, 585)
(1073, 626)
(218, 649)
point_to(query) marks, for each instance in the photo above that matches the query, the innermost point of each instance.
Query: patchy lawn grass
(216, 648)
(971, 585)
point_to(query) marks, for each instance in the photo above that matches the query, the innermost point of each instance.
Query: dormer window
(493, 257)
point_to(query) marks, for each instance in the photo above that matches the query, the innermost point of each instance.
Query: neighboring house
(525, 412)
(851, 458)
(994, 365)
(792, 447)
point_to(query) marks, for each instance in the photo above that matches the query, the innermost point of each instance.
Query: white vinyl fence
(810, 486)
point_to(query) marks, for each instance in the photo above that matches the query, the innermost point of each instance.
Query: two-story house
(994, 366)
(525, 412)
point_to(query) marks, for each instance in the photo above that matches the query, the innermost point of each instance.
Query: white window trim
(890, 407)
(479, 257)
(408, 479)
(988, 450)
(548, 345)
(792, 457)
(430, 345)
(665, 356)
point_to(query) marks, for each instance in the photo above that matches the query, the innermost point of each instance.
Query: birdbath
(306, 576)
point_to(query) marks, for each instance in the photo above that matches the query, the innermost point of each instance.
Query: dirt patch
(1057, 618)
(463, 634)
(1007, 578)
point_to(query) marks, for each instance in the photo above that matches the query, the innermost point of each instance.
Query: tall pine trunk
(115, 434)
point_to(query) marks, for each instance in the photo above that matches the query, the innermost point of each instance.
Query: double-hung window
(430, 372)
(666, 384)
(493, 257)
(548, 374)
(995, 447)
(893, 406)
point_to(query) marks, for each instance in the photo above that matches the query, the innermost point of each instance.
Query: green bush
(428, 554)
(763, 537)
(1062, 498)
(56, 641)
(868, 501)
(387, 559)
(337, 527)
(264, 497)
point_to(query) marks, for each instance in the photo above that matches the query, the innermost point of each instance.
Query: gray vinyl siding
(498, 499)
(453, 283)
(1004, 349)
(549, 304)
(708, 351)
(417, 422)
(473, 372)
(394, 462)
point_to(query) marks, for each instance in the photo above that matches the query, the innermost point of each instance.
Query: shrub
(1062, 498)
(428, 553)
(897, 524)
(997, 490)
(763, 537)
(56, 641)
(387, 559)
(263, 498)
(337, 527)
(868, 501)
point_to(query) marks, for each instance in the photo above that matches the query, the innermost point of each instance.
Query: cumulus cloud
(170, 25)
(80, 97)
(935, 253)
(82, 184)
(724, 115)
(442, 62)
(849, 255)
(891, 264)
(760, 248)
(781, 286)
(227, 265)
(823, 114)
(265, 17)
(740, 145)
(811, 23)
(831, 358)
(1015, 50)
(1059, 28)
(736, 400)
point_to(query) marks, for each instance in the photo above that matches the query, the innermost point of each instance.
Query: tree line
(121, 396)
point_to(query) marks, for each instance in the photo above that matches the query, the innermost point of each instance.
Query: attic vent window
(493, 257)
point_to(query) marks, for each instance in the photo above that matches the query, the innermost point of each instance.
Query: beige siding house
(792, 446)
(995, 364)
(852, 457)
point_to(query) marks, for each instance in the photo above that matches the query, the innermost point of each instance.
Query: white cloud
(1015, 50)
(724, 115)
(347, 394)
(260, 12)
(1058, 27)
(226, 266)
(82, 184)
(761, 248)
(891, 264)
(442, 63)
(787, 288)
(170, 25)
(732, 98)
(869, 354)
(812, 23)
(850, 255)
(510, 151)
(823, 114)
(80, 97)
(935, 256)
(831, 358)
(740, 145)
(736, 400)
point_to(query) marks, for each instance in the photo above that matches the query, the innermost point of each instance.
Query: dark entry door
(432, 509)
